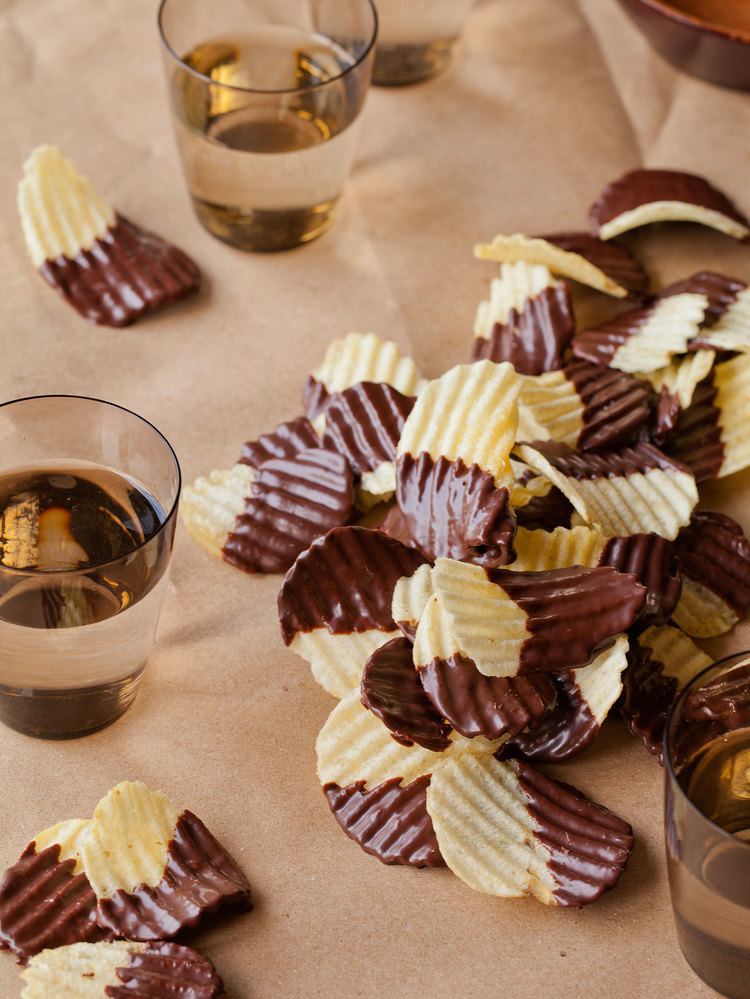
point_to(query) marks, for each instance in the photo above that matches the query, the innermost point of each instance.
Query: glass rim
(170, 450)
(669, 768)
(260, 90)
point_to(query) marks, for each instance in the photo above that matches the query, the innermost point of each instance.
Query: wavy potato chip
(286, 441)
(211, 506)
(682, 375)
(539, 550)
(410, 596)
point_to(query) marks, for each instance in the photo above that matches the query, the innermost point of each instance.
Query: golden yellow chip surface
(213, 503)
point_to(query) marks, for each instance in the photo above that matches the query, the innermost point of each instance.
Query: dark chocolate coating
(653, 562)
(344, 582)
(286, 441)
(615, 260)
(713, 551)
(165, 971)
(545, 513)
(696, 440)
(391, 689)
(563, 734)
(600, 343)
(648, 696)
(364, 423)
(455, 511)
(616, 404)
(395, 526)
(389, 822)
(491, 706)
(293, 501)
(725, 700)
(640, 457)
(589, 846)
(199, 877)
(315, 398)
(43, 904)
(643, 187)
(126, 274)
(533, 340)
(572, 613)
(720, 290)
(664, 416)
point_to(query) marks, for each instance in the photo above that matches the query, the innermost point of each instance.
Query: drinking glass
(88, 505)
(415, 38)
(266, 99)
(707, 816)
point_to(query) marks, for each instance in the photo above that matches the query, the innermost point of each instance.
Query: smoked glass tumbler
(88, 505)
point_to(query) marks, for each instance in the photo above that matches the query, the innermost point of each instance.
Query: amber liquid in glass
(70, 659)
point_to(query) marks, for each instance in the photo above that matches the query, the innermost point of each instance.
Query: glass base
(265, 231)
(67, 714)
(399, 64)
(723, 967)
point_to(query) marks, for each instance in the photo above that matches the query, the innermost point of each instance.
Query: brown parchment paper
(545, 102)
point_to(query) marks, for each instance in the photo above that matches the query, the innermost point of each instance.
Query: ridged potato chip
(732, 382)
(337, 661)
(410, 596)
(682, 375)
(211, 506)
(540, 550)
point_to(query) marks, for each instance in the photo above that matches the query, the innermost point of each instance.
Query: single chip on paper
(527, 320)
(636, 490)
(120, 969)
(155, 870)
(643, 197)
(570, 263)
(335, 602)
(507, 830)
(45, 897)
(109, 269)
(714, 559)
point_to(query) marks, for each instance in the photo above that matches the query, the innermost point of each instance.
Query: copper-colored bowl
(706, 38)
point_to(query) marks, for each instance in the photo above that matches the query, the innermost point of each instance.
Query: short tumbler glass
(416, 37)
(707, 773)
(88, 505)
(266, 99)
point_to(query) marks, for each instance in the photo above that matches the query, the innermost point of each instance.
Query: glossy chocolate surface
(534, 338)
(580, 465)
(545, 513)
(724, 700)
(44, 904)
(286, 441)
(616, 405)
(611, 258)
(315, 398)
(344, 583)
(696, 439)
(565, 732)
(455, 511)
(392, 690)
(126, 274)
(389, 822)
(364, 423)
(292, 502)
(652, 560)
(166, 971)
(713, 551)
(490, 706)
(720, 290)
(199, 877)
(648, 696)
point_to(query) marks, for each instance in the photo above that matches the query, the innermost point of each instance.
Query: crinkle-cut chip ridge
(600, 683)
(364, 357)
(211, 506)
(646, 338)
(518, 282)
(61, 213)
(549, 408)
(410, 596)
(701, 613)
(535, 250)
(470, 413)
(637, 490)
(337, 661)
(128, 839)
(680, 657)
(354, 745)
(732, 384)
(537, 551)
(286, 441)
(364, 423)
(682, 375)
(732, 330)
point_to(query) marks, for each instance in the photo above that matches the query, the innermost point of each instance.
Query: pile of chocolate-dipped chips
(542, 559)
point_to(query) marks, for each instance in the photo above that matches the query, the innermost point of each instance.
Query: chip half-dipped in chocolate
(610, 258)
(335, 602)
(45, 897)
(726, 322)
(109, 269)
(643, 197)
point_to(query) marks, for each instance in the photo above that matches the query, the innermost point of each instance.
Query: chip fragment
(286, 441)
(661, 662)
(511, 623)
(569, 263)
(583, 405)
(584, 699)
(389, 822)
(636, 490)
(528, 319)
(292, 502)
(121, 969)
(507, 830)
(714, 558)
(646, 338)
(335, 602)
(109, 269)
(355, 358)
(154, 869)
(643, 197)
(45, 897)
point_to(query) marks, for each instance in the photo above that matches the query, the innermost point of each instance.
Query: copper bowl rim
(696, 23)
